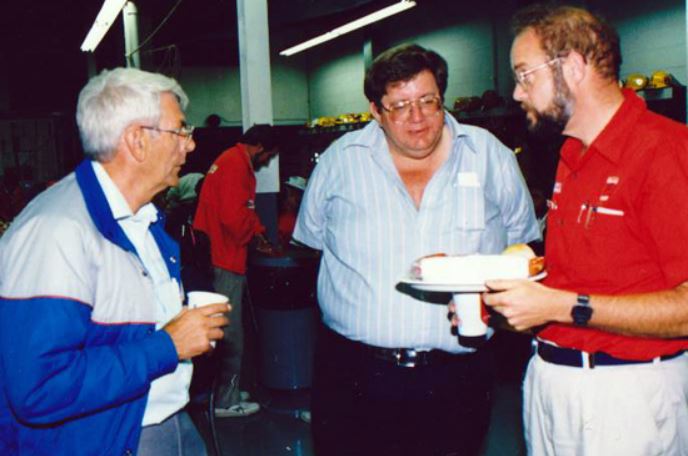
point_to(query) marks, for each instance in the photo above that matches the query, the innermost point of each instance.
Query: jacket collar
(101, 214)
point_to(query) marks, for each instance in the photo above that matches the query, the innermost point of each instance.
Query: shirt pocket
(601, 218)
(467, 226)
(605, 230)
(468, 209)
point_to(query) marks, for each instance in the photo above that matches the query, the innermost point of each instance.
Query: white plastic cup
(472, 328)
(197, 299)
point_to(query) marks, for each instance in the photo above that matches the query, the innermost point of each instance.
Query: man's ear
(136, 141)
(375, 111)
(575, 67)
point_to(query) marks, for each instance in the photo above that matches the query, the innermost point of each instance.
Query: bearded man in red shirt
(226, 213)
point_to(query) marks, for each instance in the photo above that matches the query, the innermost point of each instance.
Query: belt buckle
(406, 357)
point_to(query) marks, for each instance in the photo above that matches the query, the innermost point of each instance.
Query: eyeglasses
(400, 111)
(521, 77)
(185, 131)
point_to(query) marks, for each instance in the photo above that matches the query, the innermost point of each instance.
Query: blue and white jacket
(78, 345)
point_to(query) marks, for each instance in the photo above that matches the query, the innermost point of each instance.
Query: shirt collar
(609, 143)
(118, 204)
(459, 130)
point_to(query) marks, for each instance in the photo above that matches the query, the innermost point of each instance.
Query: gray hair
(113, 100)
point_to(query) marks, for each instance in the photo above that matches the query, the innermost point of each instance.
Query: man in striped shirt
(388, 371)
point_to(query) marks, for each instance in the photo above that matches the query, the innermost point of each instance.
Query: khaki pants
(625, 410)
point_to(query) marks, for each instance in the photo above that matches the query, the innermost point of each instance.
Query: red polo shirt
(618, 224)
(226, 209)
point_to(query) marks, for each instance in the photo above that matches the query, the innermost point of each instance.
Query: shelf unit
(668, 101)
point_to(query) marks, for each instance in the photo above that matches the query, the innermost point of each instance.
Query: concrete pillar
(256, 98)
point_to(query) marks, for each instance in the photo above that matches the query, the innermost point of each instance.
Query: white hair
(113, 100)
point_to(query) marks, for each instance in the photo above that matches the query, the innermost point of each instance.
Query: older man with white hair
(95, 347)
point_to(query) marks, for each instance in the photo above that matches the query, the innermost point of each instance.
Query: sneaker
(305, 416)
(244, 396)
(237, 410)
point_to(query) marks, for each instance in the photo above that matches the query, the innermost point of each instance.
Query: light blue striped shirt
(357, 210)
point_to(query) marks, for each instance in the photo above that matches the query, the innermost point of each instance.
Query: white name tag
(468, 180)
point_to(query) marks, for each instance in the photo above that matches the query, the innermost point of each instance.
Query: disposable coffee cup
(195, 299)
(472, 328)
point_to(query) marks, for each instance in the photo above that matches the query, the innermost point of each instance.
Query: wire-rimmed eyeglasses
(401, 110)
(185, 131)
(521, 77)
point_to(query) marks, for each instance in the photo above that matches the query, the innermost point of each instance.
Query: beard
(550, 122)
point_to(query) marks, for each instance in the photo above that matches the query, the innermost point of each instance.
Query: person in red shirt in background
(289, 208)
(610, 372)
(226, 213)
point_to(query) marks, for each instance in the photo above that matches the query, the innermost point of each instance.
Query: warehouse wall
(335, 80)
(653, 35)
(465, 40)
(218, 90)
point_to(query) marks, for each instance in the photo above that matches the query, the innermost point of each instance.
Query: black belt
(409, 357)
(403, 357)
(576, 358)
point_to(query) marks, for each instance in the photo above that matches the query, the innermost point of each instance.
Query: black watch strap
(582, 311)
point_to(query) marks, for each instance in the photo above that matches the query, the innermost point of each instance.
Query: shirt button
(144, 273)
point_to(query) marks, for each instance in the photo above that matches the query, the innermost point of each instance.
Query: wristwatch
(582, 311)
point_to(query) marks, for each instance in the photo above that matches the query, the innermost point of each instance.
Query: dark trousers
(231, 349)
(362, 405)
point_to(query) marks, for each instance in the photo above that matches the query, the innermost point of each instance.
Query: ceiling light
(403, 5)
(107, 15)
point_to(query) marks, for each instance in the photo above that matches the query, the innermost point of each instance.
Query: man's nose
(519, 94)
(190, 145)
(415, 113)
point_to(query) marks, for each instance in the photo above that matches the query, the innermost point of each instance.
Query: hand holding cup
(195, 330)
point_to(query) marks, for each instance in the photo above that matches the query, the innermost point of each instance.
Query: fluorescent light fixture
(403, 5)
(107, 15)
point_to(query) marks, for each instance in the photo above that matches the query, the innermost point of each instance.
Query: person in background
(180, 205)
(211, 140)
(95, 347)
(226, 214)
(185, 192)
(610, 373)
(289, 208)
(389, 377)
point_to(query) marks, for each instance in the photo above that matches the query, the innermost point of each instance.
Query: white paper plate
(456, 287)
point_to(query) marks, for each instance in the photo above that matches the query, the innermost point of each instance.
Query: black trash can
(283, 293)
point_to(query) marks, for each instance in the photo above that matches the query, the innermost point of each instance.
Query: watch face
(581, 315)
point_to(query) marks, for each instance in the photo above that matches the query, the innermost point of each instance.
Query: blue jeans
(176, 436)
